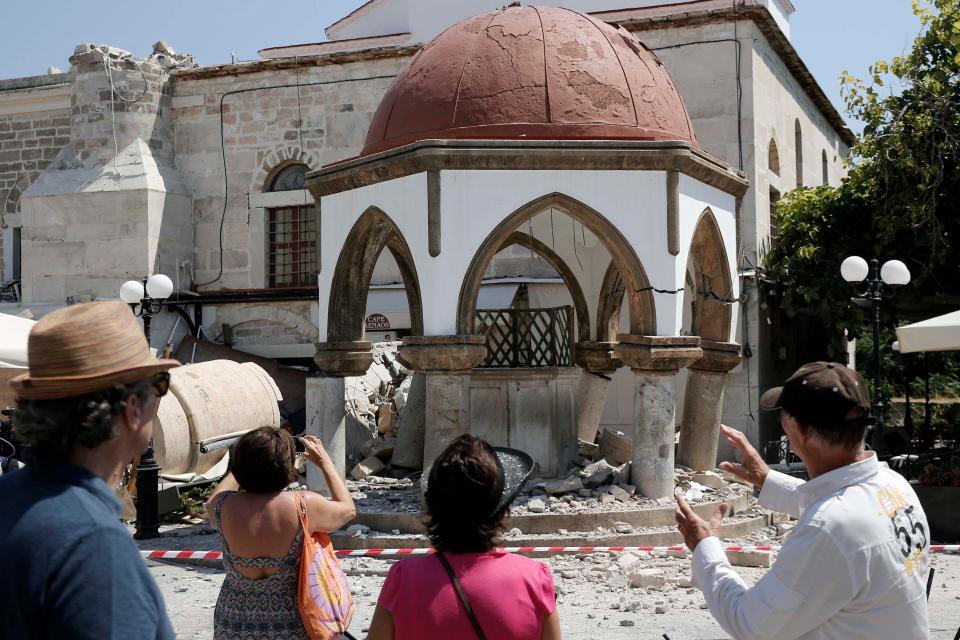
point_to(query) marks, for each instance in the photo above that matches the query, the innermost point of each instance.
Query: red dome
(536, 73)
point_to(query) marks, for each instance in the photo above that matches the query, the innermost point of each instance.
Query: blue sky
(831, 35)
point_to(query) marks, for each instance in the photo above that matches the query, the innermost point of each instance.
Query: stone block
(708, 480)
(750, 558)
(615, 447)
(647, 578)
(563, 485)
(368, 467)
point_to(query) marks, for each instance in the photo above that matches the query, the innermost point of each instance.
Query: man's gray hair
(55, 427)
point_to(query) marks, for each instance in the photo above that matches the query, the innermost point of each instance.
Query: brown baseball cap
(826, 395)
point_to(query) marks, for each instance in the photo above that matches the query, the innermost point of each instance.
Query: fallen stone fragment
(708, 480)
(619, 493)
(615, 447)
(623, 527)
(536, 506)
(647, 578)
(368, 467)
(750, 558)
(597, 474)
(357, 530)
(563, 485)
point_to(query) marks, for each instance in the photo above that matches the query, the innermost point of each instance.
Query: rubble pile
(374, 405)
(600, 481)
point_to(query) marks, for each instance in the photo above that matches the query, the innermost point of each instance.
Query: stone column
(598, 364)
(655, 361)
(703, 404)
(408, 452)
(326, 401)
(446, 362)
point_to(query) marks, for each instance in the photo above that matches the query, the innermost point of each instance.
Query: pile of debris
(374, 404)
(600, 481)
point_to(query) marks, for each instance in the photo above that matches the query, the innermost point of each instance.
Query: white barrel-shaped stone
(207, 400)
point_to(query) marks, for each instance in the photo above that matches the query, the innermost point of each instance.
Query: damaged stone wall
(34, 125)
(322, 120)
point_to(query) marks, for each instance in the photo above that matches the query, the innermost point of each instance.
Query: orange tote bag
(326, 606)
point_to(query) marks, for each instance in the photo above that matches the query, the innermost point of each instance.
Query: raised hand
(751, 467)
(313, 450)
(693, 528)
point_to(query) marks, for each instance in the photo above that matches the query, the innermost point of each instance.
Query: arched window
(291, 234)
(825, 178)
(798, 143)
(773, 158)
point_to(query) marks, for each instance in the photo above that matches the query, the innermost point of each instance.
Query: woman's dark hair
(463, 489)
(54, 427)
(263, 460)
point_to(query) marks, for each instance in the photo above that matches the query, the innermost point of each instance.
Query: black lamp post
(146, 300)
(855, 269)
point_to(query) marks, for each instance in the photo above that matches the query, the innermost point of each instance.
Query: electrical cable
(223, 148)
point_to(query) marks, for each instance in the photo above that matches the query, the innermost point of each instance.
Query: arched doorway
(373, 232)
(636, 284)
(712, 287)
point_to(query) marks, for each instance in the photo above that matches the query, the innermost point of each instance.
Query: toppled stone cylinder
(207, 400)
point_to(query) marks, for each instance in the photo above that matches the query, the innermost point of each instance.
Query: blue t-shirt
(68, 567)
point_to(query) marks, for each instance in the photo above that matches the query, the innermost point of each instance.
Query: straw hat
(85, 348)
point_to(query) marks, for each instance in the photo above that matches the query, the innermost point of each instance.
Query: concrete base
(529, 409)
(702, 409)
(445, 415)
(410, 435)
(326, 419)
(654, 425)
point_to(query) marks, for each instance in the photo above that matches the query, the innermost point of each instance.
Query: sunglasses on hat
(160, 383)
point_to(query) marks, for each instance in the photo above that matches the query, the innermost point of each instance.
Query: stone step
(547, 523)
(658, 537)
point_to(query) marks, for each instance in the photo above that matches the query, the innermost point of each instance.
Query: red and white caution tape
(355, 553)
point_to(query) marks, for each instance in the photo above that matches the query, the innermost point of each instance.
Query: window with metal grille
(291, 236)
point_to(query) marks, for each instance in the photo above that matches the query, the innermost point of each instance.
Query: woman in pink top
(468, 589)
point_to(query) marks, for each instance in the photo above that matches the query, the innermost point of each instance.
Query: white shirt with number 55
(854, 567)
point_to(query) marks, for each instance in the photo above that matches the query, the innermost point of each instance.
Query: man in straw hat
(86, 407)
(855, 565)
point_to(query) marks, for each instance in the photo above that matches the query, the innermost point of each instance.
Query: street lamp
(855, 269)
(146, 300)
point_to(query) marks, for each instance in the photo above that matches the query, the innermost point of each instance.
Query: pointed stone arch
(643, 319)
(373, 232)
(711, 269)
(559, 264)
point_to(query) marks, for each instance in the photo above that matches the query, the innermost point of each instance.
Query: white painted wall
(473, 203)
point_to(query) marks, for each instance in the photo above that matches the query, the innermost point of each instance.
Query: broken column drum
(207, 400)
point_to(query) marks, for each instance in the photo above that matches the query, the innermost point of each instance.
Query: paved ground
(602, 607)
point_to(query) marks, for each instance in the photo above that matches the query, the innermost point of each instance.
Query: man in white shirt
(855, 565)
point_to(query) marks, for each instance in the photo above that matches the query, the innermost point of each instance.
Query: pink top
(510, 595)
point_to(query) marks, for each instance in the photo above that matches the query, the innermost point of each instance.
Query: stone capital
(442, 354)
(344, 359)
(597, 357)
(718, 357)
(667, 354)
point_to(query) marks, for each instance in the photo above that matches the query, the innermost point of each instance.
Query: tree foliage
(900, 198)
